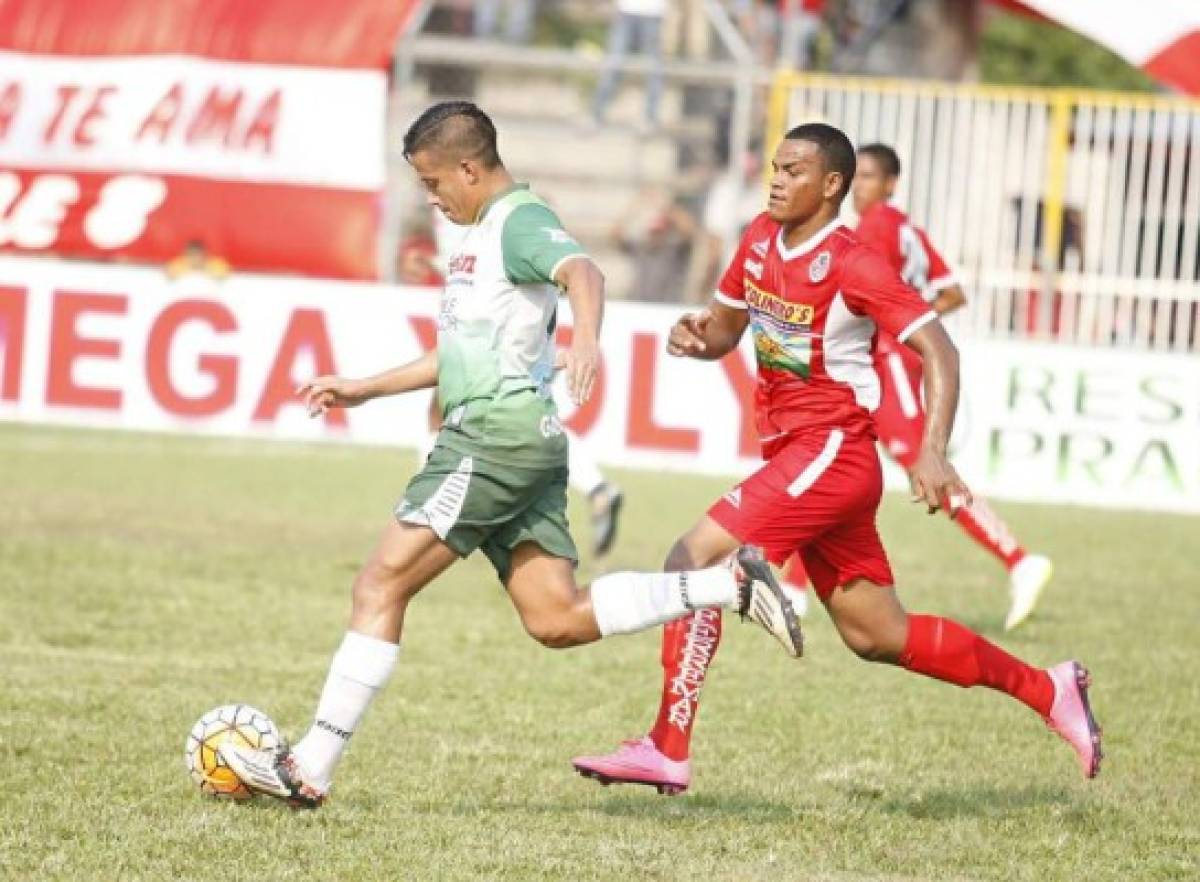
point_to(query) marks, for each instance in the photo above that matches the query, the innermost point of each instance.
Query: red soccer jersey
(910, 253)
(814, 311)
(907, 248)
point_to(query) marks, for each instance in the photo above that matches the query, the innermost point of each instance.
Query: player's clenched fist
(322, 393)
(688, 334)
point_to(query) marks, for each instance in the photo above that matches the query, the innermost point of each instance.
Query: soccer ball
(247, 725)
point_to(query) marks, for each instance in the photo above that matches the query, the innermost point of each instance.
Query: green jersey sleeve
(534, 244)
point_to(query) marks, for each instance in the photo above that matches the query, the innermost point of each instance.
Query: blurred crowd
(676, 235)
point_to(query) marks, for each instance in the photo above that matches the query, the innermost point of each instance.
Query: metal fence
(1070, 216)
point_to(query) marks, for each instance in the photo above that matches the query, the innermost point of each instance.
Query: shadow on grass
(975, 801)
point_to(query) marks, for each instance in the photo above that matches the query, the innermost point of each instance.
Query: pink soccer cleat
(1071, 715)
(637, 761)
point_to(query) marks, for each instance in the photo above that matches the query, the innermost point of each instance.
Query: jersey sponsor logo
(557, 236)
(462, 263)
(760, 247)
(819, 268)
(753, 267)
(782, 331)
(798, 314)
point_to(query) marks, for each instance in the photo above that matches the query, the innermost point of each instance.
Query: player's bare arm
(949, 299)
(708, 334)
(934, 480)
(322, 393)
(584, 284)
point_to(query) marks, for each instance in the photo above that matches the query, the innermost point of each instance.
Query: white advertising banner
(103, 346)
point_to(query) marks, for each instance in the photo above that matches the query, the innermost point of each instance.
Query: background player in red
(900, 419)
(814, 296)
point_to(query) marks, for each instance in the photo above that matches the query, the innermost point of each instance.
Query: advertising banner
(126, 348)
(133, 134)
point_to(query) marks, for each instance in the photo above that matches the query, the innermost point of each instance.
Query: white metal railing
(1071, 216)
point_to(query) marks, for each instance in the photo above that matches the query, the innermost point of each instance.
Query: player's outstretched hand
(322, 393)
(936, 483)
(687, 334)
(581, 362)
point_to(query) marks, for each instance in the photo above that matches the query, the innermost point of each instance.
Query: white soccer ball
(247, 725)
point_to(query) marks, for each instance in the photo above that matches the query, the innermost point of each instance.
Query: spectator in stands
(637, 21)
(758, 21)
(658, 231)
(735, 199)
(196, 260)
(518, 24)
(799, 28)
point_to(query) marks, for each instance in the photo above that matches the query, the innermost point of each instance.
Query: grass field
(145, 579)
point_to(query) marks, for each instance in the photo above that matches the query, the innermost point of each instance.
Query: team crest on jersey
(819, 268)
(760, 247)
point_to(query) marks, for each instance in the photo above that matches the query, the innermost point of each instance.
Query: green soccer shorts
(473, 503)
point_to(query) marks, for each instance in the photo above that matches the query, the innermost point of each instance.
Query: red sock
(794, 573)
(985, 526)
(945, 650)
(689, 645)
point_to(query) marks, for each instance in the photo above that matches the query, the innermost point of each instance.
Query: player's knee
(380, 584)
(679, 558)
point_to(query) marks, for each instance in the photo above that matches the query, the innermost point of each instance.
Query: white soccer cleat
(1027, 581)
(763, 601)
(272, 773)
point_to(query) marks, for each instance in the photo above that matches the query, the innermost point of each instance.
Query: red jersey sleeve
(878, 228)
(731, 290)
(872, 288)
(940, 274)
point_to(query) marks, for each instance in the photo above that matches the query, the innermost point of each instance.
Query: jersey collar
(808, 244)
(487, 206)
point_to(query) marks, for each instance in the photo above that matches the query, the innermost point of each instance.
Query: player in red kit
(814, 297)
(900, 419)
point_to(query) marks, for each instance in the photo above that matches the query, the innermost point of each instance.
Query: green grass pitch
(145, 579)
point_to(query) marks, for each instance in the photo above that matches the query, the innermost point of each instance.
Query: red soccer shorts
(900, 419)
(817, 496)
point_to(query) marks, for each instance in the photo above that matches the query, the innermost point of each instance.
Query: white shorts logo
(819, 268)
(550, 426)
(734, 497)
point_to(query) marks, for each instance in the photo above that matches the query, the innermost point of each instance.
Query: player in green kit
(497, 477)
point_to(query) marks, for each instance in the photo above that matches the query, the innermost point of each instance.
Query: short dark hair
(837, 153)
(885, 156)
(458, 128)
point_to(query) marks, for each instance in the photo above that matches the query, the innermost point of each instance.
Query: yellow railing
(1084, 195)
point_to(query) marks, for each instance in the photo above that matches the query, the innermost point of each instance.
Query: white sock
(583, 473)
(360, 668)
(627, 602)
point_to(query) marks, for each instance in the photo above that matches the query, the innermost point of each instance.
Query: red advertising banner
(129, 129)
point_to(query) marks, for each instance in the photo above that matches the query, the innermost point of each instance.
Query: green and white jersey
(496, 333)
